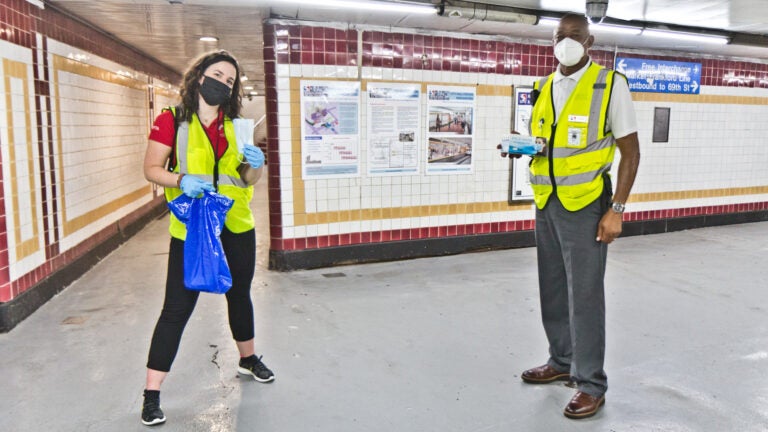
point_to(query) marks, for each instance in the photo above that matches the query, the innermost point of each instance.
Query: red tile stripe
(21, 22)
(496, 227)
(297, 44)
(61, 260)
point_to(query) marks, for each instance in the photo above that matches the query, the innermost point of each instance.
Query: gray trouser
(571, 271)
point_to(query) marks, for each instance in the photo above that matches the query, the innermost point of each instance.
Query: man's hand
(510, 155)
(505, 154)
(610, 224)
(609, 227)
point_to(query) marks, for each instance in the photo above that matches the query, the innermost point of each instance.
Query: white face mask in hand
(568, 52)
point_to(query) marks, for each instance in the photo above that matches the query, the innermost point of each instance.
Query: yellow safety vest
(194, 156)
(579, 150)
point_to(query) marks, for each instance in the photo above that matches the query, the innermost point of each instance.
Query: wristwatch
(617, 207)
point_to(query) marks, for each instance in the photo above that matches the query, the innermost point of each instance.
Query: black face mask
(214, 92)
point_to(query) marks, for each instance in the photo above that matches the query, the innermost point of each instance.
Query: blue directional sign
(658, 76)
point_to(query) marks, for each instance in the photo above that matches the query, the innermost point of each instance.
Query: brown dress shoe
(583, 405)
(544, 374)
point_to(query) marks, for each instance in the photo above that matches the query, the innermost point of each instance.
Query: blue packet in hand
(524, 145)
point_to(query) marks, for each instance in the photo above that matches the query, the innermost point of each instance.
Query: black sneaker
(254, 367)
(151, 414)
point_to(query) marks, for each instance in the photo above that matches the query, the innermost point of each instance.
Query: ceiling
(169, 31)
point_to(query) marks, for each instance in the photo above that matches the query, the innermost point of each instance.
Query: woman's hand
(193, 187)
(254, 156)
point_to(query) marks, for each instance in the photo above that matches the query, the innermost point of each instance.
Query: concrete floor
(431, 344)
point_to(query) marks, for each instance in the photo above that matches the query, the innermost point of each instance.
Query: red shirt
(164, 133)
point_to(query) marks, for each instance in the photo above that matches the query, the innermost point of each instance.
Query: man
(584, 111)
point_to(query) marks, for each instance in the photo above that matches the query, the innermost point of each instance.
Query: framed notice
(450, 123)
(394, 125)
(330, 129)
(519, 179)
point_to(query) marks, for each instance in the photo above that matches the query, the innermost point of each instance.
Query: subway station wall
(75, 110)
(76, 105)
(711, 170)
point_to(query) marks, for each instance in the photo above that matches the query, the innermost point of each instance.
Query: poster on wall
(450, 120)
(330, 129)
(394, 122)
(520, 187)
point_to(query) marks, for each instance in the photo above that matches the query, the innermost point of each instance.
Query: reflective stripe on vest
(598, 91)
(580, 155)
(182, 142)
(239, 218)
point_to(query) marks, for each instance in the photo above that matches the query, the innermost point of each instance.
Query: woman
(206, 160)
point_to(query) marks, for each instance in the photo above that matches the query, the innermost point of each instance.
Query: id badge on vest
(576, 136)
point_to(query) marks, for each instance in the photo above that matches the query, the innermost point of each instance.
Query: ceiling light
(209, 39)
(244, 78)
(548, 22)
(248, 88)
(704, 38)
(378, 6)
(487, 13)
(618, 29)
(608, 28)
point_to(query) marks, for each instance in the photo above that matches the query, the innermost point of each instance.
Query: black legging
(240, 250)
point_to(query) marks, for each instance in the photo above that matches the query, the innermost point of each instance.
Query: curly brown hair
(190, 85)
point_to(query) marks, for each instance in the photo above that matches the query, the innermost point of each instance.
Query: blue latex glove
(254, 156)
(193, 187)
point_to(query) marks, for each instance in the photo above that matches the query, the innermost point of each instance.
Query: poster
(330, 129)
(450, 119)
(394, 122)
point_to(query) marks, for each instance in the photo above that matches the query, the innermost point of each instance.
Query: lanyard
(215, 148)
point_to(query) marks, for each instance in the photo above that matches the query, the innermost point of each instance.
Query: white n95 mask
(568, 52)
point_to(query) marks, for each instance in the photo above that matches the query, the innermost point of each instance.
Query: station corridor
(434, 344)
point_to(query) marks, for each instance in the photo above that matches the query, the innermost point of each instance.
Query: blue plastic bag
(205, 265)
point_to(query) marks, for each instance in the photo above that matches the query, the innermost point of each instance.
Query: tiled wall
(73, 126)
(60, 196)
(711, 164)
